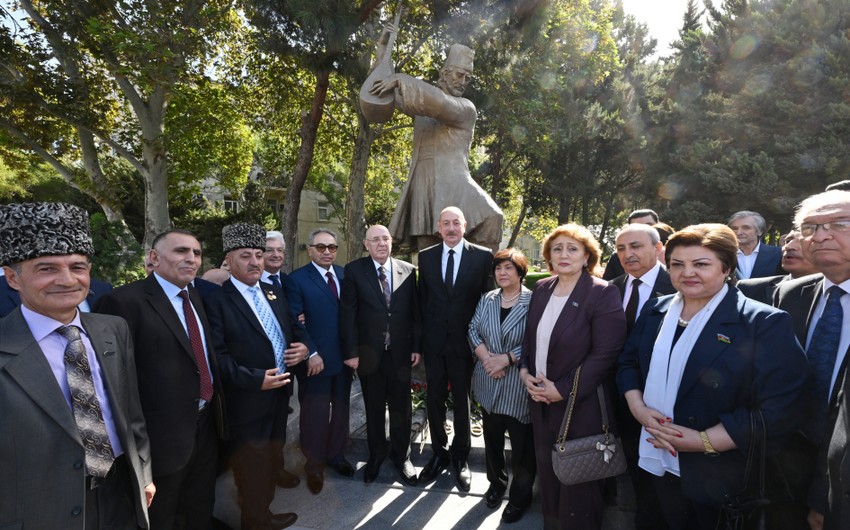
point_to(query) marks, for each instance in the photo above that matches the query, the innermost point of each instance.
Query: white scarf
(665, 374)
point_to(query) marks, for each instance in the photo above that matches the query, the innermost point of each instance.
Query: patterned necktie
(385, 286)
(632, 305)
(822, 353)
(87, 412)
(197, 347)
(272, 331)
(275, 280)
(450, 271)
(332, 285)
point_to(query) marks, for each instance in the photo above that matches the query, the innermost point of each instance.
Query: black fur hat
(34, 229)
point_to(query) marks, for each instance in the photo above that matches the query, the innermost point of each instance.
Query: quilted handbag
(592, 457)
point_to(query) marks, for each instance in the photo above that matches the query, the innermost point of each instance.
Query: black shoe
(283, 520)
(344, 468)
(493, 497)
(315, 482)
(512, 514)
(438, 463)
(373, 467)
(287, 480)
(463, 475)
(407, 472)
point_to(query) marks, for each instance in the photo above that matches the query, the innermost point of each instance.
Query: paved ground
(348, 503)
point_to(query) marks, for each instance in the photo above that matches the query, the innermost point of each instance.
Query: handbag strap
(568, 415)
(756, 453)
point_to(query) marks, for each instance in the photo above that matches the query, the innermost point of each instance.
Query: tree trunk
(518, 225)
(157, 218)
(355, 209)
(309, 127)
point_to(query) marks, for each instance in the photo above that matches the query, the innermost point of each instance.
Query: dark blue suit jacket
(10, 299)
(747, 357)
(308, 293)
(768, 262)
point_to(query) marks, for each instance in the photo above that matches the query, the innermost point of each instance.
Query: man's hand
(296, 353)
(150, 491)
(273, 380)
(415, 358)
(315, 364)
(352, 363)
(815, 520)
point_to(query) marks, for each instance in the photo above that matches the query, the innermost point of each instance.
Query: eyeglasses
(809, 229)
(321, 247)
(376, 240)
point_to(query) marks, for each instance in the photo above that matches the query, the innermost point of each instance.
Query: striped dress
(507, 395)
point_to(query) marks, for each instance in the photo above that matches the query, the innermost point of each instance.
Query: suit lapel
(620, 282)
(709, 344)
(663, 286)
(32, 372)
(517, 314)
(465, 263)
(165, 311)
(370, 276)
(572, 308)
(320, 281)
(242, 305)
(813, 290)
(400, 274)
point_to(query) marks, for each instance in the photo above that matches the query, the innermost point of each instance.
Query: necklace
(684, 323)
(509, 300)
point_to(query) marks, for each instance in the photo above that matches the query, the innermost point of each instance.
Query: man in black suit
(10, 299)
(638, 246)
(74, 452)
(257, 341)
(755, 260)
(819, 308)
(380, 329)
(179, 383)
(614, 268)
(794, 263)
(452, 277)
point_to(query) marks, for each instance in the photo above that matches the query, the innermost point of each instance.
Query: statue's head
(457, 72)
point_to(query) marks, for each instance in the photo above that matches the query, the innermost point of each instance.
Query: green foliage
(206, 223)
(119, 258)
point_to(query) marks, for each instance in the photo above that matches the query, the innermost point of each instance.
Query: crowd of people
(706, 343)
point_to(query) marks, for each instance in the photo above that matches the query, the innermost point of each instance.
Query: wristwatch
(709, 449)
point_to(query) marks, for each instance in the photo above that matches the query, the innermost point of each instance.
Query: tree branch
(31, 144)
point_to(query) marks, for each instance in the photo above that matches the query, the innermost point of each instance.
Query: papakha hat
(460, 56)
(243, 235)
(34, 229)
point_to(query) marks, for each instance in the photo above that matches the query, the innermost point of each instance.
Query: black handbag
(589, 458)
(746, 510)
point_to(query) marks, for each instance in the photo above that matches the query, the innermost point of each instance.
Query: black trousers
(325, 404)
(110, 505)
(257, 456)
(452, 366)
(185, 499)
(789, 476)
(388, 387)
(523, 463)
(680, 512)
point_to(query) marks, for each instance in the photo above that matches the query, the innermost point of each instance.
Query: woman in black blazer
(695, 367)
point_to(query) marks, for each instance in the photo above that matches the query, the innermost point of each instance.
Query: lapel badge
(723, 338)
(575, 304)
(271, 296)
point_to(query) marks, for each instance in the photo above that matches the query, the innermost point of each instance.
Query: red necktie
(197, 347)
(332, 285)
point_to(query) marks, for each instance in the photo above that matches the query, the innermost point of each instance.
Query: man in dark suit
(273, 259)
(10, 299)
(179, 383)
(820, 310)
(380, 328)
(324, 381)
(638, 246)
(452, 277)
(74, 452)
(257, 341)
(755, 260)
(793, 262)
(614, 268)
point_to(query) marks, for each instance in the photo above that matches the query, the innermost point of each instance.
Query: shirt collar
(240, 286)
(457, 248)
(42, 325)
(322, 271)
(387, 265)
(649, 277)
(170, 289)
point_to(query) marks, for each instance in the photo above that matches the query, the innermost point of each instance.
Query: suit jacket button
(76, 511)
(691, 420)
(78, 464)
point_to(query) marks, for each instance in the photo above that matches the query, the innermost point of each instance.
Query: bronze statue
(443, 125)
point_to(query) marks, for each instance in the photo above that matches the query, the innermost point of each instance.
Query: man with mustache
(452, 277)
(257, 341)
(638, 245)
(443, 125)
(179, 383)
(793, 262)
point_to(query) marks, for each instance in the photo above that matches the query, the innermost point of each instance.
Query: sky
(664, 18)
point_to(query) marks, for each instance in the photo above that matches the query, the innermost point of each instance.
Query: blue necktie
(272, 331)
(822, 353)
(275, 280)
